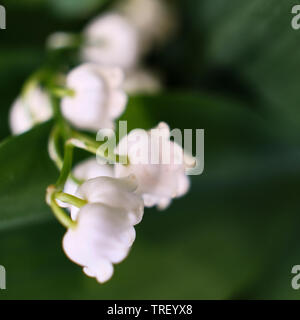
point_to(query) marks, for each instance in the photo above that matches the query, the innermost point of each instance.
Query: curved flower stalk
(31, 108)
(158, 164)
(98, 97)
(110, 40)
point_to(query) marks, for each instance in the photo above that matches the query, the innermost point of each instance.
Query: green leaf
(26, 171)
(254, 41)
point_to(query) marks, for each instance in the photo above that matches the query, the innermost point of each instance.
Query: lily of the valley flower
(83, 171)
(157, 163)
(112, 41)
(104, 231)
(98, 97)
(114, 192)
(103, 236)
(32, 108)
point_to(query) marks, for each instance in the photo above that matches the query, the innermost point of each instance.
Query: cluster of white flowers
(117, 39)
(116, 195)
(107, 201)
(123, 36)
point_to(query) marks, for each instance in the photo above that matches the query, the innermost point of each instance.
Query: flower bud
(111, 40)
(32, 108)
(98, 98)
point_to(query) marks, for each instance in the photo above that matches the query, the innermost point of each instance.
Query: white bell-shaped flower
(154, 20)
(118, 193)
(141, 81)
(32, 108)
(102, 237)
(157, 163)
(111, 40)
(98, 97)
(83, 171)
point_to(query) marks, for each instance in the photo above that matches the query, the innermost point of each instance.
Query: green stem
(59, 213)
(61, 92)
(82, 142)
(70, 199)
(64, 127)
(55, 154)
(67, 166)
(53, 147)
(88, 141)
(93, 147)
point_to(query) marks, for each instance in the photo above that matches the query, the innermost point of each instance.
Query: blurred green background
(231, 69)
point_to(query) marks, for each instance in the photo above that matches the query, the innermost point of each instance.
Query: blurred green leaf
(75, 8)
(26, 171)
(23, 3)
(254, 41)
